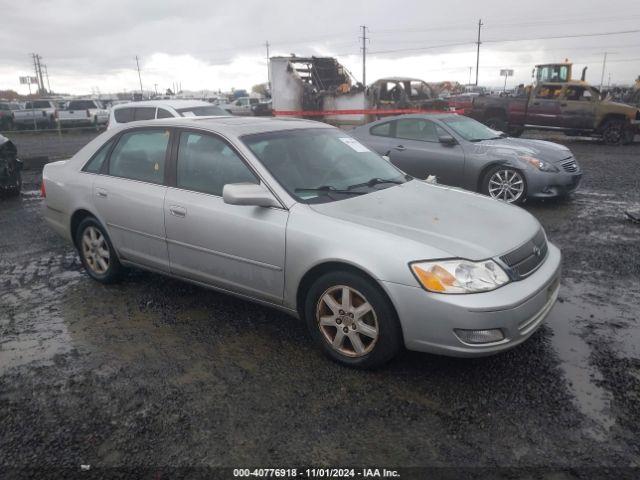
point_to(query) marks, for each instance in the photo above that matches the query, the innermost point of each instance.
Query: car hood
(507, 147)
(461, 223)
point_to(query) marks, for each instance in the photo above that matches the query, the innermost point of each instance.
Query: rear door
(416, 150)
(129, 196)
(238, 248)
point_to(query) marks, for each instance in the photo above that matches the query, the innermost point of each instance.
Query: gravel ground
(155, 372)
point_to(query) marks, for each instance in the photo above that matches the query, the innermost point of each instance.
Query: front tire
(352, 320)
(497, 123)
(616, 132)
(505, 183)
(96, 251)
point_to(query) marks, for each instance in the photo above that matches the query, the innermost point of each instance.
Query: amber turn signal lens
(436, 279)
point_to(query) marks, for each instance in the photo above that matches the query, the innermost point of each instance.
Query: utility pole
(364, 55)
(470, 69)
(266, 44)
(604, 63)
(139, 77)
(38, 70)
(478, 51)
(155, 87)
(46, 73)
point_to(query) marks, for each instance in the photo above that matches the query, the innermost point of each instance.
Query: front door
(577, 107)
(416, 150)
(544, 106)
(129, 196)
(239, 248)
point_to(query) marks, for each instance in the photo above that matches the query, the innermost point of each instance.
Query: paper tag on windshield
(353, 143)
(188, 114)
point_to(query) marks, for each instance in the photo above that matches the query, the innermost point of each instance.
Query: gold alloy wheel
(347, 321)
(95, 250)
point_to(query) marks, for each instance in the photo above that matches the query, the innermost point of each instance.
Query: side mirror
(447, 140)
(248, 194)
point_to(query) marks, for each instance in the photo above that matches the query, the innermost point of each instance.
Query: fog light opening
(479, 337)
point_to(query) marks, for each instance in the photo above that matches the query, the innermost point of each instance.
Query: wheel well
(319, 270)
(77, 217)
(495, 112)
(612, 116)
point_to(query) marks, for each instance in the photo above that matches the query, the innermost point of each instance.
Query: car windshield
(203, 111)
(470, 129)
(318, 165)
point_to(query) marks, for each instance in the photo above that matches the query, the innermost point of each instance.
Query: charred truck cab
(10, 168)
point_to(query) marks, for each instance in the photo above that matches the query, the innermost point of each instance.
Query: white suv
(148, 110)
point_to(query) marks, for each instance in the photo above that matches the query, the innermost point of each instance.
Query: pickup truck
(83, 113)
(42, 113)
(573, 107)
(241, 106)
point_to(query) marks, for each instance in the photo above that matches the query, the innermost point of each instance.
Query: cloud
(220, 44)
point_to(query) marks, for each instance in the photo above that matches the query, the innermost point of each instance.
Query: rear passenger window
(144, 113)
(140, 155)
(162, 113)
(206, 164)
(382, 130)
(123, 115)
(95, 164)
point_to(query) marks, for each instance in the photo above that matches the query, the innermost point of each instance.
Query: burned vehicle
(10, 168)
(555, 102)
(322, 89)
(401, 92)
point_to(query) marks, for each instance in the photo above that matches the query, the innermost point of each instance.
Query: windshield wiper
(328, 189)
(374, 181)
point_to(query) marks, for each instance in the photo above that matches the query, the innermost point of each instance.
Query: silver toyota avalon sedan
(300, 216)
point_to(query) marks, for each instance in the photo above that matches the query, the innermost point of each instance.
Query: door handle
(400, 148)
(563, 104)
(101, 192)
(178, 211)
(536, 103)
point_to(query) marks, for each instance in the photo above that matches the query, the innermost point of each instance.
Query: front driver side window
(206, 164)
(416, 129)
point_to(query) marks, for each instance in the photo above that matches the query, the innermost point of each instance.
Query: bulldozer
(556, 72)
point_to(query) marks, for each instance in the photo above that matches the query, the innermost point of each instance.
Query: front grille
(525, 259)
(570, 166)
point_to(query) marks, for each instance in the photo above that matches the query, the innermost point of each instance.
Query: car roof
(176, 104)
(236, 126)
(438, 116)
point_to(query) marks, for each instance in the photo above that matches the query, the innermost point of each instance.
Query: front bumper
(551, 185)
(428, 319)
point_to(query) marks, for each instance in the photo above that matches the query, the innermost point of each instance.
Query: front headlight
(459, 276)
(539, 164)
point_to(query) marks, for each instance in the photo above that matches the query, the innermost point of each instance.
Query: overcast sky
(89, 45)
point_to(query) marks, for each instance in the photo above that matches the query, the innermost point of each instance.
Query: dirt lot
(154, 372)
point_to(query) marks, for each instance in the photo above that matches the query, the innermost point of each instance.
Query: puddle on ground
(572, 321)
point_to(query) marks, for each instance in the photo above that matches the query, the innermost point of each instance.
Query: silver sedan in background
(462, 152)
(300, 216)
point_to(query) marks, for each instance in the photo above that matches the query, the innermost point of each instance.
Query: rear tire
(96, 251)
(352, 320)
